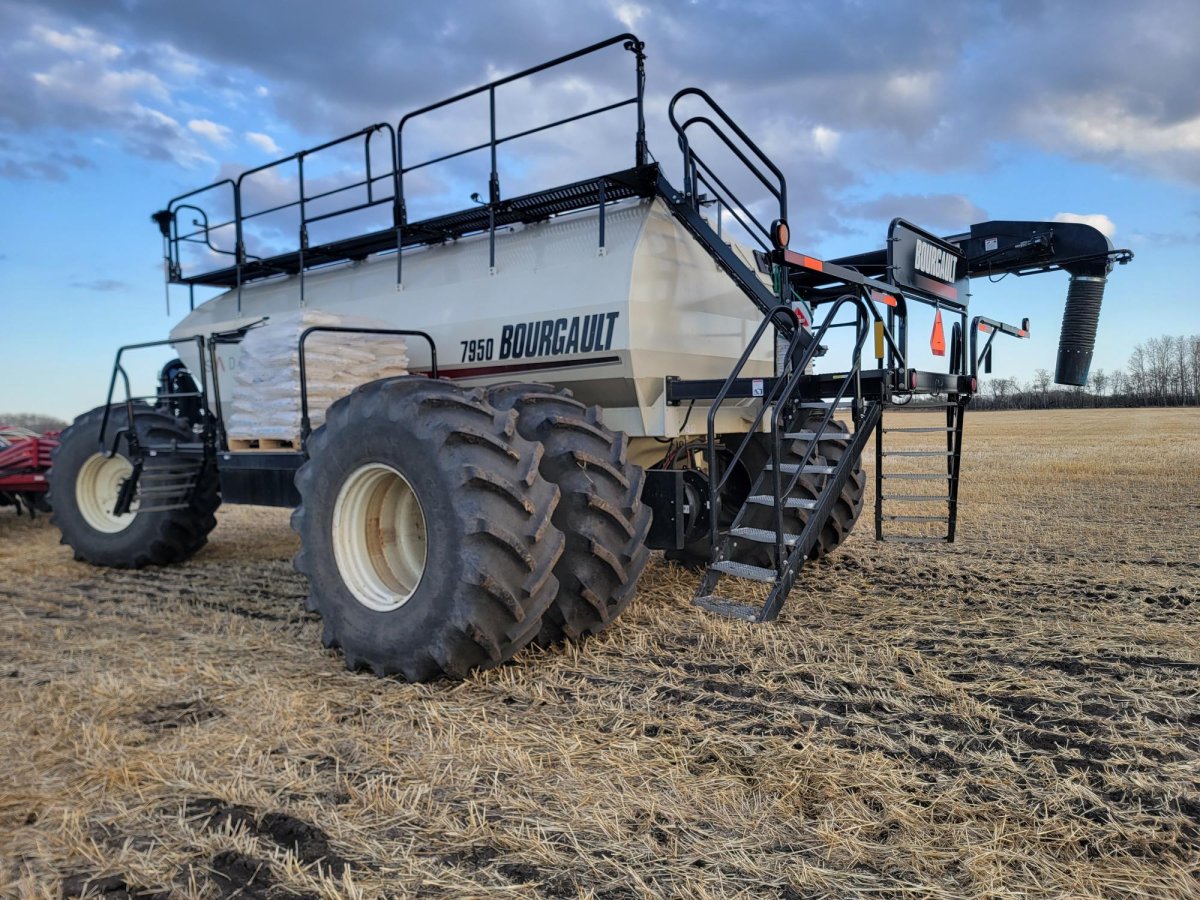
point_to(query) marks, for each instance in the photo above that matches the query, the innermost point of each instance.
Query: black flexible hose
(1078, 337)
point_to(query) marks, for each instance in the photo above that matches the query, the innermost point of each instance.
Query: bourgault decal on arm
(935, 261)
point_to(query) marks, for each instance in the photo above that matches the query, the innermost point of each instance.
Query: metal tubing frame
(996, 328)
(129, 431)
(305, 422)
(175, 206)
(780, 193)
(628, 40)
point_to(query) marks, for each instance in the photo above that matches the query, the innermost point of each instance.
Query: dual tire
(463, 525)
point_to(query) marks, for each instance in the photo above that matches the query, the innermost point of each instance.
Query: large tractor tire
(600, 510)
(837, 528)
(84, 486)
(426, 530)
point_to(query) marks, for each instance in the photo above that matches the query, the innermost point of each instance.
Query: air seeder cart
(595, 370)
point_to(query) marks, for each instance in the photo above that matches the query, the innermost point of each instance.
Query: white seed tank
(608, 323)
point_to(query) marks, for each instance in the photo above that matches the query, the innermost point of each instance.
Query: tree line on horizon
(1163, 371)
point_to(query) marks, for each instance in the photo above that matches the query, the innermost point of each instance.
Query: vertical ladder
(924, 487)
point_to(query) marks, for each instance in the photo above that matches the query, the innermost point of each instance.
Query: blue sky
(942, 112)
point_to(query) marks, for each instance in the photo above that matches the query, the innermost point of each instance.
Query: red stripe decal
(936, 287)
(457, 372)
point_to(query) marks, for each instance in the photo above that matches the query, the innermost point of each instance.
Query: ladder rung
(916, 430)
(913, 540)
(723, 607)
(788, 502)
(918, 518)
(762, 535)
(914, 476)
(918, 452)
(150, 509)
(916, 498)
(809, 435)
(793, 468)
(172, 491)
(824, 404)
(745, 570)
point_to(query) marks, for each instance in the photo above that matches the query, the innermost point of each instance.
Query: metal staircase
(797, 485)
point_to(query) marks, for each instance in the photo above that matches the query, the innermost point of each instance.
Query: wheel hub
(96, 490)
(379, 537)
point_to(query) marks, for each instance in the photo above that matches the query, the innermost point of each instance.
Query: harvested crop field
(1017, 714)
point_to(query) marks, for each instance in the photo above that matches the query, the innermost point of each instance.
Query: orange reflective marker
(937, 340)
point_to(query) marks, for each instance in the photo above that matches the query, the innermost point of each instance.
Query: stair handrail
(716, 480)
(691, 158)
(865, 314)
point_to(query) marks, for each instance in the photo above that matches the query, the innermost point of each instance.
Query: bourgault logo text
(935, 261)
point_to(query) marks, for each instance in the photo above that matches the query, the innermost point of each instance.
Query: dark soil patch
(308, 842)
(168, 716)
(108, 887)
(236, 875)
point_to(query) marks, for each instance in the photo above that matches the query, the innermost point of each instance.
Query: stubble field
(1014, 715)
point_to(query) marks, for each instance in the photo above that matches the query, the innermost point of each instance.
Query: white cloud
(1099, 221)
(826, 140)
(629, 14)
(86, 84)
(78, 42)
(263, 142)
(218, 134)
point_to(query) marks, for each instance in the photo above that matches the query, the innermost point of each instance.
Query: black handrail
(129, 430)
(370, 181)
(305, 422)
(691, 160)
(628, 40)
(715, 480)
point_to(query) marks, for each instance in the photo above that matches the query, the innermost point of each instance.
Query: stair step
(728, 608)
(150, 509)
(918, 518)
(917, 498)
(914, 476)
(788, 502)
(745, 570)
(917, 430)
(918, 452)
(808, 435)
(824, 404)
(762, 535)
(793, 468)
(914, 540)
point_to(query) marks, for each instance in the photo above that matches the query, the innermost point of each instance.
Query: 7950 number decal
(478, 351)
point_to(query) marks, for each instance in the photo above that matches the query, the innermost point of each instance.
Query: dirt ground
(1013, 715)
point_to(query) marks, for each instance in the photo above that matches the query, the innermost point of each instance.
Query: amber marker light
(780, 234)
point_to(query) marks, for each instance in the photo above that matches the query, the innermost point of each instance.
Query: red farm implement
(24, 462)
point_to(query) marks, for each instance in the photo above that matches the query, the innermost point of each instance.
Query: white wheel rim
(96, 489)
(379, 537)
